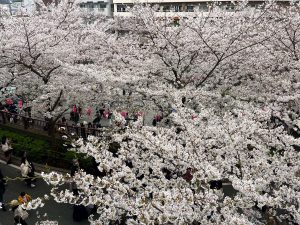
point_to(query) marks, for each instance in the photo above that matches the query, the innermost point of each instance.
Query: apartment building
(27, 6)
(15, 7)
(5, 8)
(177, 7)
(104, 7)
(165, 8)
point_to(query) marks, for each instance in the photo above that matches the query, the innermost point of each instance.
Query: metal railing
(25, 123)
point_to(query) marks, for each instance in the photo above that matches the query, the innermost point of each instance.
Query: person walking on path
(27, 172)
(2, 177)
(2, 190)
(24, 198)
(7, 149)
(20, 212)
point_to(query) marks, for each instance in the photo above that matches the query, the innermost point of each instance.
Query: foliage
(228, 84)
(84, 161)
(39, 150)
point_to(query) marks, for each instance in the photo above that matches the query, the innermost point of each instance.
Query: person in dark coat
(2, 190)
(97, 119)
(215, 184)
(26, 123)
(1, 175)
(188, 176)
(79, 111)
(94, 169)
(72, 116)
(101, 110)
(75, 168)
(63, 120)
(83, 131)
(127, 119)
(80, 213)
(76, 117)
(154, 122)
(2, 109)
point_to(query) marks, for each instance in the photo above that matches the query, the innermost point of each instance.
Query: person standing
(74, 169)
(1, 175)
(111, 118)
(154, 122)
(89, 112)
(7, 149)
(80, 111)
(72, 116)
(2, 110)
(83, 131)
(76, 117)
(64, 121)
(102, 109)
(127, 119)
(74, 109)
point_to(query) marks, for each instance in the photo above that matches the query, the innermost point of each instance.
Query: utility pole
(9, 6)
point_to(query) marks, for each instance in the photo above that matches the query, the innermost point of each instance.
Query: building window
(121, 8)
(177, 8)
(203, 7)
(229, 7)
(89, 6)
(190, 8)
(112, 8)
(166, 8)
(100, 6)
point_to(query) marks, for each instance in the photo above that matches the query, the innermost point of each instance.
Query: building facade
(104, 7)
(5, 7)
(26, 6)
(165, 8)
(15, 7)
(177, 7)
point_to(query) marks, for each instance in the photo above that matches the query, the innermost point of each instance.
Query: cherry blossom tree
(48, 49)
(228, 86)
(217, 72)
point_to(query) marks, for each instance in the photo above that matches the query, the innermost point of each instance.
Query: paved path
(59, 212)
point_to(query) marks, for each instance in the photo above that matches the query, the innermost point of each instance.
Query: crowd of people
(18, 206)
(82, 121)
(102, 116)
(27, 171)
(14, 107)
